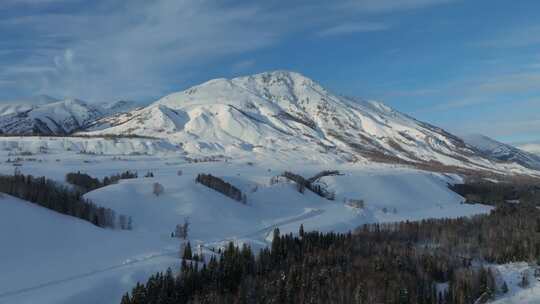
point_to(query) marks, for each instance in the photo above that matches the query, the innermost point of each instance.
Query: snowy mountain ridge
(285, 114)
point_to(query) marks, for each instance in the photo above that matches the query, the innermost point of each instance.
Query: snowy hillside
(67, 257)
(503, 152)
(284, 114)
(72, 261)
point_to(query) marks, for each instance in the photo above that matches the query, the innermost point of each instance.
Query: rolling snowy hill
(503, 152)
(48, 257)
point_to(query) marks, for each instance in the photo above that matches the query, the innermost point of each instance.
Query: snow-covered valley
(73, 261)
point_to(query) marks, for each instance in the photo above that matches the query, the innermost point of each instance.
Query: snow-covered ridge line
(284, 115)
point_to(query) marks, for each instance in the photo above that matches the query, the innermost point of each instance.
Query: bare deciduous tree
(158, 189)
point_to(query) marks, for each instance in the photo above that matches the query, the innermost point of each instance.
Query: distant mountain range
(531, 147)
(45, 115)
(503, 152)
(277, 115)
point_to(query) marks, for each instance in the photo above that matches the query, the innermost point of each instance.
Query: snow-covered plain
(59, 259)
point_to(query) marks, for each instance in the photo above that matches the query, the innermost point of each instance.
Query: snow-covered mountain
(503, 152)
(56, 118)
(283, 114)
(47, 116)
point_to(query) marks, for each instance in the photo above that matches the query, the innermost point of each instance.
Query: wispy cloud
(350, 28)
(483, 90)
(377, 6)
(140, 49)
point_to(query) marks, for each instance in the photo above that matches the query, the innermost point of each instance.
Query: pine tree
(125, 299)
(504, 288)
(188, 254)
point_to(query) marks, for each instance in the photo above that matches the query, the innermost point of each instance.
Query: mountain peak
(278, 77)
(284, 114)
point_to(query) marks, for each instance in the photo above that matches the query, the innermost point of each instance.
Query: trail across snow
(133, 261)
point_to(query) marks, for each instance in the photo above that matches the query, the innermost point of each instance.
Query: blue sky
(467, 66)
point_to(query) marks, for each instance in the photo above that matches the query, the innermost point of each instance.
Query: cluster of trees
(49, 194)
(312, 183)
(221, 186)
(490, 193)
(405, 262)
(88, 183)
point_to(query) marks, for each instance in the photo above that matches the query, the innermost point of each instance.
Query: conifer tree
(188, 254)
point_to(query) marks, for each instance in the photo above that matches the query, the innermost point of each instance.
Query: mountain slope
(503, 152)
(284, 114)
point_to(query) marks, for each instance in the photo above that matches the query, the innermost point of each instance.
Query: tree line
(51, 195)
(221, 186)
(491, 193)
(88, 183)
(400, 263)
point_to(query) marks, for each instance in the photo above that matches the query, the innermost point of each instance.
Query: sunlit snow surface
(52, 258)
